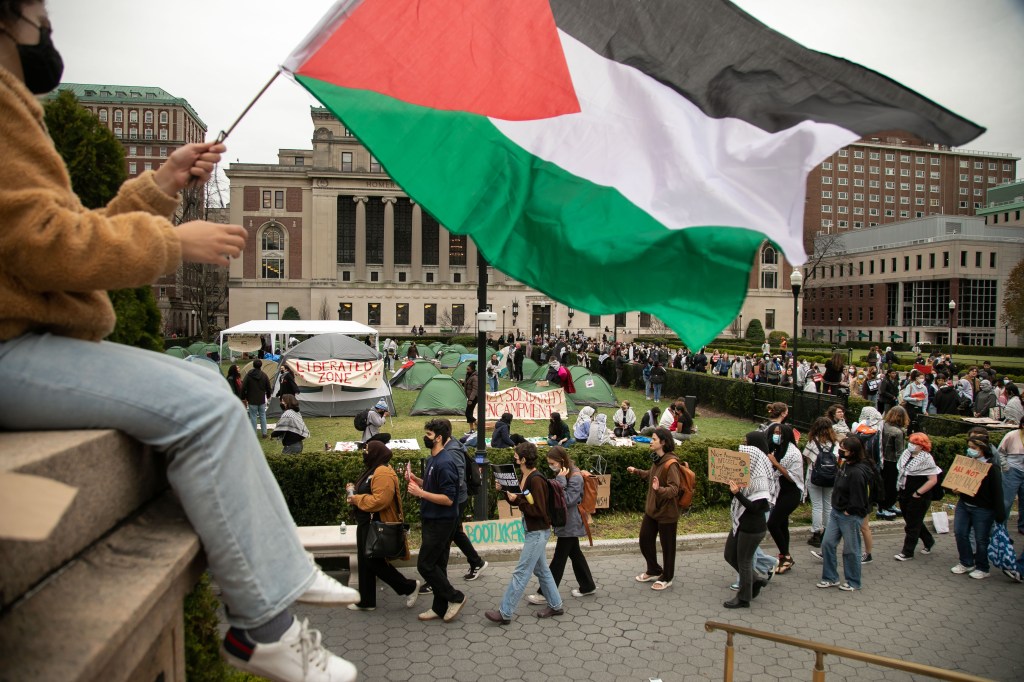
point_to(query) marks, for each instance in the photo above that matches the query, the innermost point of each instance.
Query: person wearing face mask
(788, 465)
(914, 397)
(567, 547)
(747, 512)
(438, 492)
(60, 259)
(917, 477)
(290, 428)
(977, 512)
(850, 506)
(661, 510)
(376, 494)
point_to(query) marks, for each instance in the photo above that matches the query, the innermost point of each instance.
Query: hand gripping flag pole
(223, 135)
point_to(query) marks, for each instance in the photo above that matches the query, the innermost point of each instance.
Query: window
(403, 232)
(133, 150)
(769, 318)
(457, 277)
(163, 152)
(374, 276)
(843, 181)
(919, 174)
(163, 134)
(991, 166)
(873, 211)
(904, 186)
(133, 116)
(375, 231)
(977, 259)
(935, 175)
(267, 198)
(873, 197)
(148, 117)
(890, 157)
(857, 182)
(904, 172)
(964, 191)
(919, 261)
(889, 213)
(843, 195)
(346, 229)
(919, 159)
(858, 155)
(882, 263)
(595, 321)
(769, 280)
(118, 116)
(163, 117)
(458, 314)
(826, 223)
(147, 166)
(858, 197)
(279, 199)
(874, 156)
(842, 223)
(904, 200)
(272, 256)
(890, 199)
(875, 184)
(402, 277)
(933, 202)
(133, 133)
(843, 152)
(826, 208)
(103, 115)
(346, 161)
(273, 310)
(992, 259)
(906, 264)
(904, 158)
(374, 165)
(826, 194)
(918, 188)
(299, 161)
(769, 256)
(373, 314)
(871, 267)
(858, 169)
(978, 165)
(826, 181)
(977, 178)
(843, 167)
(904, 214)
(132, 168)
(345, 312)
(402, 314)
(827, 165)
(919, 201)
(873, 170)
(963, 204)
(430, 240)
(457, 244)
(430, 277)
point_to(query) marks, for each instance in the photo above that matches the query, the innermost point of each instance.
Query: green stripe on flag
(580, 243)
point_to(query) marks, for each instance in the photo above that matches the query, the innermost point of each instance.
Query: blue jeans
(261, 412)
(554, 441)
(1013, 487)
(966, 518)
(657, 391)
(493, 383)
(531, 561)
(215, 464)
(848, 528)
(647, 388)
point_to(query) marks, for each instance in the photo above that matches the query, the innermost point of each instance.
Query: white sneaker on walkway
(410, 600)
(326, 591)
(978, 575)
(537, 599)
(960, 569)
(453, 610)
(298, 656)
(577, 593)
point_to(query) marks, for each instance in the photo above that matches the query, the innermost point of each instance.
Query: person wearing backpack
(661, 510)
(374, 419)
(533, 504)
(567, 547)
(894, 433)
(822, 465)
(918, 478)
(469, 484)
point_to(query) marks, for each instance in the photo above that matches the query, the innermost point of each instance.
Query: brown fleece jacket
(59, 258)
(662, 504)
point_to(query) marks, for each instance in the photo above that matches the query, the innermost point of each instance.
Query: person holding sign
(533, 503)
(917, 476)
(850, 505)
(977, 512)
(661, 511)
(749, 508)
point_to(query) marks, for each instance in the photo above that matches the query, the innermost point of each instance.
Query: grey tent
(334, 399)
(413, 377)
(440, 395)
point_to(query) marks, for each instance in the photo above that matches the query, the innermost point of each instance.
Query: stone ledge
(114, 474)
(114, 613)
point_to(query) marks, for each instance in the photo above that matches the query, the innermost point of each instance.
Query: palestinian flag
(614, 154)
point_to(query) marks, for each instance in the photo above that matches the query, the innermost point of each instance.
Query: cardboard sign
(508, 531)
(507, 476)
(966, 475)
(604, 491)
(728, 465)
(354, 373)
(525, 405)
(507, 511)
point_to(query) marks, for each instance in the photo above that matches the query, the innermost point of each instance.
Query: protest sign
(507, 476)
(354, 373)
(604, 491)
(522, 404)
(728, 465)
(966, 475)
(506, 531)
(507, 511)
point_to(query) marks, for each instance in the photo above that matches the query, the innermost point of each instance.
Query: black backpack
(360, 421)
(473, 481)
(823, 471)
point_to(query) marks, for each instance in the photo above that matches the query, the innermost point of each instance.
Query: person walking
(1011, 448)
(376, 417)
(290, 427)
(894, 433)
(470, 384)
(256, 392)
(567, 547)
(888, 390)
(438, 492)
(747, 513)
(821, 466)
(850, 506)
(788, 465)
(917, 477)
(234, 378)
(376, 494)
(469, 484)
(975, 513)
(914, 397)
(533, 504)
(661, 510)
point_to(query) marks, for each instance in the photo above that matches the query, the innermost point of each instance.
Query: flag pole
(223, 135)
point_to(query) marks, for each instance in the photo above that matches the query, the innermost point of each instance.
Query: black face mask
(41, 63)
(428, 442)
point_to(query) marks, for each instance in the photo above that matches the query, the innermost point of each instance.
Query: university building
(151, 123)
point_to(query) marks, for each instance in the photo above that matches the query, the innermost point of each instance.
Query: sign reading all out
(966, 475)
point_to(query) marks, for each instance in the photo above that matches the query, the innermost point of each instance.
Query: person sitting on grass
(558, 431)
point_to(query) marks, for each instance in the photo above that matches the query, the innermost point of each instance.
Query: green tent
(196, 348)
(458, 347)
(434, 345)
(592, 389)
(403, 349)
(415, 376)
(451, 358)
(539, 372)
(177, 351)
(529, 367)
(426, 352)
(440, 395)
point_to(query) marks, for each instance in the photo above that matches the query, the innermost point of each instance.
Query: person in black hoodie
(888, 391)
(850, 504)
(946, 401)
(501, 438)
(255, 393)
(977, 512)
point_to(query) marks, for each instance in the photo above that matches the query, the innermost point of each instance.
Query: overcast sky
(964, 54)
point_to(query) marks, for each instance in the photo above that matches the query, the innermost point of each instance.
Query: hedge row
(314, 483)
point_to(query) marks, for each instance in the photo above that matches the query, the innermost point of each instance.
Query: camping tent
(426, 352)
(529, 367)
(539, 373)
(177, 351)
(459, 373)
(592, 389)
(203, 361)
(342, 357)
(282, 330)
(413, 377)
(269, 368)
(440, 395)
(451, 358)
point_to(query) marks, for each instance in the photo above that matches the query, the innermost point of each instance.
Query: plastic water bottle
(344, 528)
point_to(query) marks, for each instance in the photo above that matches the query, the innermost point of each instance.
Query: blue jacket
(441, 475)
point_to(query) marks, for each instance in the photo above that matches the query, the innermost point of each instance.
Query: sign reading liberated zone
(525, 405)
(507, 476)
(966, 475)
(355, 373)
(728, 465)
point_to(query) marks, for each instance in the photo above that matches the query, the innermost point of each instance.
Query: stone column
(417, 243)
(322, 243)
(360, 238)
(444, 273)
(389, 239)
(472, 272)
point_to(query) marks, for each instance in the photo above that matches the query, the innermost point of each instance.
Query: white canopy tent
(287, 328)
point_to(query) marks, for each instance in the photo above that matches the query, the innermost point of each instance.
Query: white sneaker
(978, 575)
(960, 569)
(410, 600)
(297, 657)
(537, 599)
(453, 610)
(577, 593)
(326, 591)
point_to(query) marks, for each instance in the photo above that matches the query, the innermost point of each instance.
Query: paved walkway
(916, 611)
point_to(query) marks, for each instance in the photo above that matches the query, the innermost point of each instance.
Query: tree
(658, 328)
(755, 332)
(1013, 300)
(825, 246)
(447, 321)
(202, 289)
(290, 313)
(95, 161)
(325, 311)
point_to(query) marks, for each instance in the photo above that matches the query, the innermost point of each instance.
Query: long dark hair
(821, 431)
(376, 455)
(555, 425)
(758, 439)
(854, 450)
(668, 443)
(787, 438)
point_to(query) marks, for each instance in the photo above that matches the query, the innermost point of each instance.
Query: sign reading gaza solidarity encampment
(966, 475)
(507, 477)
(355, 373)
(525, 405)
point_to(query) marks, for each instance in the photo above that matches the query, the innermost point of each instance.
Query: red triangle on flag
(490, 57)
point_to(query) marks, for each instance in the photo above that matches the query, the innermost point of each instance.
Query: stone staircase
(101, 599)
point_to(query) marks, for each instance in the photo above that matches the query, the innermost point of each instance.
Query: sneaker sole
(244, 666)
(331, 600)
(458, 610)
(475, 574)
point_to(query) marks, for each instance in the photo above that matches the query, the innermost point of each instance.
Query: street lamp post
(572, 312)
(839, 336)
(796, 279)
(502, 323)
(952, 310)
(515, 311)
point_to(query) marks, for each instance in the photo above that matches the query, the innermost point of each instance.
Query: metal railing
(804, 407)
(821, 650)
